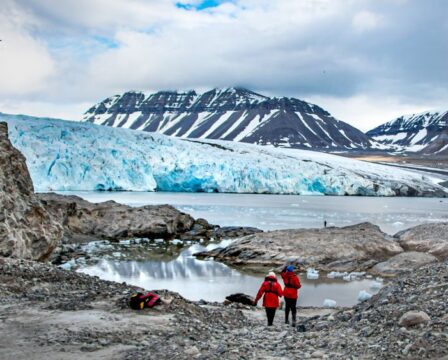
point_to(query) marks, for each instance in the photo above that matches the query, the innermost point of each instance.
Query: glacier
(65, 155)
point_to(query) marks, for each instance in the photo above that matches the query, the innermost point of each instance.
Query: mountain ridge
(234, 114)
(425, 133)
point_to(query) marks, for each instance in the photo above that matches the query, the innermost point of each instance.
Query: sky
(365, 61)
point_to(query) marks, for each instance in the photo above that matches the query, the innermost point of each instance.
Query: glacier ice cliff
(64, 155)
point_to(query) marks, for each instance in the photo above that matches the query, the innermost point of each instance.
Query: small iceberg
(376, 285)
(353, 276)
(364, 295)
(329, 303)
(312, 274)
(68, 265)
(336, 274)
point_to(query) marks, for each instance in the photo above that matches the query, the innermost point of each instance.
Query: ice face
(63, 155)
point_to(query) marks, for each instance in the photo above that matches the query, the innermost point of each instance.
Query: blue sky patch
(202, 5)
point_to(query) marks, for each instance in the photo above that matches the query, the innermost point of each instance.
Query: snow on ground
(63, 155)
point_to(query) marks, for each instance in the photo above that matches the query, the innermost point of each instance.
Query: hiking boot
(286, 321)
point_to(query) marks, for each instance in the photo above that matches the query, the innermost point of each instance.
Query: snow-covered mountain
(64, 155)
(426, 133)
(234, 114)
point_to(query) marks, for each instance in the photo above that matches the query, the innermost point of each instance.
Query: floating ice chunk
(397, 223)
(376, 285)
(329, 303)
(68, 265)
(336, 274)
(312, 274)
(176, 242)
(364, 295)
(353, 276)
(379, 279)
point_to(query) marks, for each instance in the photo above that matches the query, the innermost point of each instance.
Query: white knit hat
(272, 274)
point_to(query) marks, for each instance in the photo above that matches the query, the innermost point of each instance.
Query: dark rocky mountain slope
(425, 133)
(233, 114)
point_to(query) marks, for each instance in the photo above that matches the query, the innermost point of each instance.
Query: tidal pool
(210, 280)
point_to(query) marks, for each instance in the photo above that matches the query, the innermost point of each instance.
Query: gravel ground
(49, 313)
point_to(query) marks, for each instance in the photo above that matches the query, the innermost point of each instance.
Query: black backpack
(136, 301)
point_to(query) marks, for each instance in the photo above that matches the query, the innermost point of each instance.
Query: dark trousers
(270, 313)
(290, 305)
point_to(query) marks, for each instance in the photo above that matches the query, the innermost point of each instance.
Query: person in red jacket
(271, 290)
(292, 284)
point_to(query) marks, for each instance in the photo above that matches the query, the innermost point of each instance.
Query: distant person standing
(292, 284)
(272, 291)
(325, 223)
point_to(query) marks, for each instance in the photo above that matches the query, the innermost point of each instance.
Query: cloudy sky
(365, 61)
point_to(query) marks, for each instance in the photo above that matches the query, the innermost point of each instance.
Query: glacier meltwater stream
(170, 265)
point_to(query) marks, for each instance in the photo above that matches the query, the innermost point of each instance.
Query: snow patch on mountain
(425, 132)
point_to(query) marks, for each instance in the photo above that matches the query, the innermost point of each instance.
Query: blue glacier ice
(65, 155)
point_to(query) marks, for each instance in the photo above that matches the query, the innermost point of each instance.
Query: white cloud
(362, 59)
(25, 62)
(365, 21)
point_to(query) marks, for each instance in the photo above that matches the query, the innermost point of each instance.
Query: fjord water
(271, 212)
(213, 281)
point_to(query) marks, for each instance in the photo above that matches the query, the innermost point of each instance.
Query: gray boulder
(431, 238)
(403, 262)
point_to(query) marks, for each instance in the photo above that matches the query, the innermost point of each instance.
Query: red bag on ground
(139, 300)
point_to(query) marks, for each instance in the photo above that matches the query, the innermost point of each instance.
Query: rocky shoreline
(361, 247)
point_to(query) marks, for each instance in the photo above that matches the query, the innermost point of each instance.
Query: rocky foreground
(48, 313)
(361, 247)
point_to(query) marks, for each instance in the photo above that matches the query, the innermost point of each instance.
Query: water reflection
(213, 281)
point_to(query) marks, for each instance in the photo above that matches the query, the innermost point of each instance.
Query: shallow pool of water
(213, 281)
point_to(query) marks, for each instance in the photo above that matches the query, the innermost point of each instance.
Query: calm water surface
(213, 281)
(270, 212)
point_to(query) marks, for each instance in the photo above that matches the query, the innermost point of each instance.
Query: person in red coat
(271, 290)
(292, 284)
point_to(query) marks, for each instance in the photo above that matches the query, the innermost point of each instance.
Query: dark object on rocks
(301, 328)
(241, 298)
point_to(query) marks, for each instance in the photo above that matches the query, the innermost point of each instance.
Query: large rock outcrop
(430, 238)
(349, 248)
(86, 221)
(27, 230)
